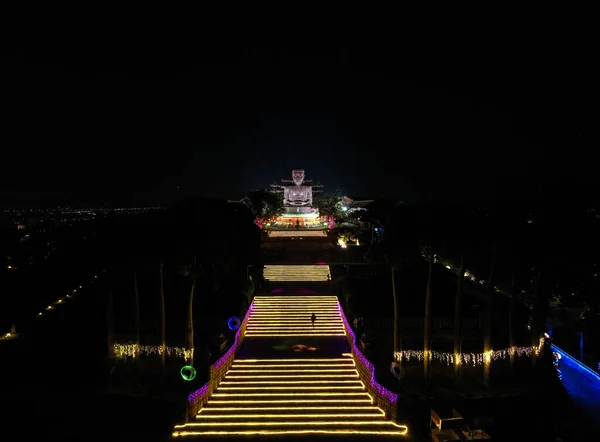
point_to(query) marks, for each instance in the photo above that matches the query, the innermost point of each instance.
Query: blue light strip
(578, 363)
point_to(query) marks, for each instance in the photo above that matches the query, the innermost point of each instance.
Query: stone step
(212, 408)
(333, 426)
(286, 415)
(288, 396)
(296, 371)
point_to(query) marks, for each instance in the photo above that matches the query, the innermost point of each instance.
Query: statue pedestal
(292, 210)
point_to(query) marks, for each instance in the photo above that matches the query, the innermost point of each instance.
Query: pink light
(331, 222)
(321, 263)
(306, 291)
(278, 290)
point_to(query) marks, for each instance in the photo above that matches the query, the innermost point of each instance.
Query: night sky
(132, 124)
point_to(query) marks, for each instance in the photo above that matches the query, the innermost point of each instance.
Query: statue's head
(298, 176)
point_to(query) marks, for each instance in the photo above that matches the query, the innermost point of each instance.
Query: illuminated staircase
(295, 395)
(292, 396)
(293, 273)
(289, 316)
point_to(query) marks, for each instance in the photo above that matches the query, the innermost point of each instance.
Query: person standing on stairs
(313, 318)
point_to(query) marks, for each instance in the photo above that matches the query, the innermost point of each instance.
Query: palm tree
(137, 315)
(163, 328)
(511, 331)
(427, 324)
(110, 322)
(348, 294)
(487, 332)
(458, 317)
(249, 290)
(397, 340)
(191, 272)
(535, 323)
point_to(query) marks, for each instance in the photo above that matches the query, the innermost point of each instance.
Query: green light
(188, 373)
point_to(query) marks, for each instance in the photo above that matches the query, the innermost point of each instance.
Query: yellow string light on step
(294, 298)
(267, 315)
(294, 401)
(298, 365)
(272, 326)
(296, 376)
(401, 432)
(291, 335)
(328, 382)
(277, 424)
(244, 361)
(329, 370)
(289, 394)
(287, 416)
(203, 410)
(331, 387)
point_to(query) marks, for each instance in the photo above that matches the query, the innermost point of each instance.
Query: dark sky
(142, 122)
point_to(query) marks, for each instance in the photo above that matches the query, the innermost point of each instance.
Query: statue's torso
(297, 196)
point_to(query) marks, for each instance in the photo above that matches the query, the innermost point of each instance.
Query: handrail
(383, 397)
(578, 363)
(217, 371)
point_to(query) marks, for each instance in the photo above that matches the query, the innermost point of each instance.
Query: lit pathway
(293, 395)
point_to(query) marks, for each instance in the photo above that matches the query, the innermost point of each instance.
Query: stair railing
(383, 397)
(217, 371)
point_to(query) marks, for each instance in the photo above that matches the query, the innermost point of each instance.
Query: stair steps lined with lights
(292, 396)
(296, 273)
(289, 316)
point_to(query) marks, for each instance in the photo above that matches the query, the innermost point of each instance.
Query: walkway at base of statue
(297, 233)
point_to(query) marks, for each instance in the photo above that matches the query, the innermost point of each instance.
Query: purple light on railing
(233, 347)
(193, 397)
(278, 290)
(321, 263)
(393, 397)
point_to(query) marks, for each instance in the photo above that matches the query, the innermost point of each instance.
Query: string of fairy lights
(473, 359)
(123, 351)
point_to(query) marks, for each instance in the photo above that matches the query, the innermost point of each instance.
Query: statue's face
(298, 176)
